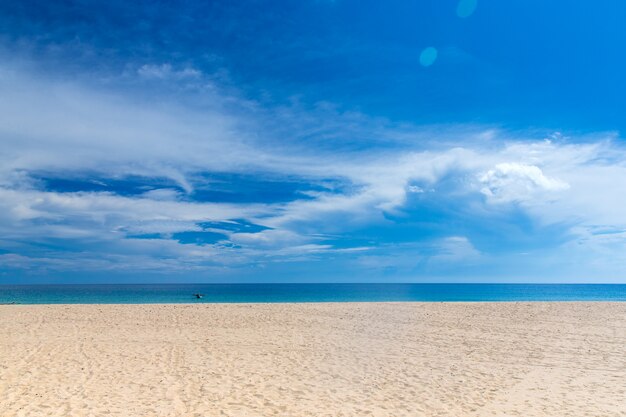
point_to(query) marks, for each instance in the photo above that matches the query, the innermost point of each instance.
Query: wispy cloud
(166, 71)
(399, 199)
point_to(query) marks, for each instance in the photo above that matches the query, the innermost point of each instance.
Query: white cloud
(48, 125)
(415, 189)
(517, 182)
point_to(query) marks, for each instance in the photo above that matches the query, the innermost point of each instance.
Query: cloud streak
(379, 217)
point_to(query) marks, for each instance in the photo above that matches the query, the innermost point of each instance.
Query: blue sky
(305, 141)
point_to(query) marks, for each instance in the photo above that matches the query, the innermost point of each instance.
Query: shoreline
(308, 293)
(252, 303)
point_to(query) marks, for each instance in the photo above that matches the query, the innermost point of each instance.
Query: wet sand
(343, 359)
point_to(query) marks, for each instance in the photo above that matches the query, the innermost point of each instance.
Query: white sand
(379, 359)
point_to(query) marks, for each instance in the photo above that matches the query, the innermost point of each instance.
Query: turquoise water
(298, 293)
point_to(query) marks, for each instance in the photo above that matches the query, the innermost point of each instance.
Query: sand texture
(361, 359)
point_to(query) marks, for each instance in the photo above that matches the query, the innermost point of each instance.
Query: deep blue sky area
(312, 141)
(518, 63)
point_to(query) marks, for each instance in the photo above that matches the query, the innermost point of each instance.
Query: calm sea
(298, 293)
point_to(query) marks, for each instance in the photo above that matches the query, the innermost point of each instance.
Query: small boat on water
(198, 295)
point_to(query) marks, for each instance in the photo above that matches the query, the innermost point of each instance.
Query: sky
(312, 141)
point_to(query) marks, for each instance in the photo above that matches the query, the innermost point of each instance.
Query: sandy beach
(359, 359)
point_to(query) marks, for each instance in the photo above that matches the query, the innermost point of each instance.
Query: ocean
(300, 293)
